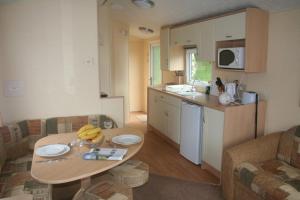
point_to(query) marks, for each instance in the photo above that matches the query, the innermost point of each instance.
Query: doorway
(155, 74)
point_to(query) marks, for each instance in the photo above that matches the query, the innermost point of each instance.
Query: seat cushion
(289, 147)
(273, 179)
(15, 179)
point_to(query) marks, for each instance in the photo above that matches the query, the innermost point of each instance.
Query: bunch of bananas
(90, 133)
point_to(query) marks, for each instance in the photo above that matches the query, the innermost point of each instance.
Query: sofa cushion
(3, 154)
(8, 136)
(65, 124)
(22, 164)
(23, 127)
(15, 142)
(16, 180)
(271, 180)
(73, 124)
(289, 147)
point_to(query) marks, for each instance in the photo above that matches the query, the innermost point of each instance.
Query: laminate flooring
(164, 159)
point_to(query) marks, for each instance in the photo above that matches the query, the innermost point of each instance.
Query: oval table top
(74, 167)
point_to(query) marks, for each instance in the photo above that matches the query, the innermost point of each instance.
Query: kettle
(230, 89)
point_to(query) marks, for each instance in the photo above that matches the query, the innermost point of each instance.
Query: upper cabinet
(164, 48)
(231, 27)
(206, 42)
(246, 28)
(171, 57)
(185, 35)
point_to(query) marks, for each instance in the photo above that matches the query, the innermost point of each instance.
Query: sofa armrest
(259, 150)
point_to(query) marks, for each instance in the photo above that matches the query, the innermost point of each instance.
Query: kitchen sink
(189, 93)
(178, 88)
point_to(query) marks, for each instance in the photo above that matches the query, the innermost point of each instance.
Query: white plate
(126, 139)
(52, 150)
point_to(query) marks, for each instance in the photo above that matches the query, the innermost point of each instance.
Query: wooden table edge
(78, 178)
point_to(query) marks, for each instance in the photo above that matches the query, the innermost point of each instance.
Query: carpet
(168, 188)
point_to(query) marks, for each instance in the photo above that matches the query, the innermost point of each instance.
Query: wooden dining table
(71, 166)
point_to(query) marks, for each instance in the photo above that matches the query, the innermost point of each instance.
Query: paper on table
(105, 154)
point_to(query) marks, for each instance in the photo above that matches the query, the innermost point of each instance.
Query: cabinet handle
(166, 113)
(228, 36)
(188, 41)
(162, 97)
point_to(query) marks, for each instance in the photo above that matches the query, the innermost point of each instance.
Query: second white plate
(52, 150)
(126, 139)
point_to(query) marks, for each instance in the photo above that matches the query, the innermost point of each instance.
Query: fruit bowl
(90, 136)
(92, 144)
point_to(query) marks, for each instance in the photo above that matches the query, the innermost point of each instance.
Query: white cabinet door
(212, 148)
(164, 48)
(206, 45)
(152, 109)
(156, 110)
(185, 35)
(230, 27)
(176, 58)
(174, 123)
(162, 118)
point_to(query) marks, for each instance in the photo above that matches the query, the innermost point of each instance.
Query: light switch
(14, 88)
(89, 61)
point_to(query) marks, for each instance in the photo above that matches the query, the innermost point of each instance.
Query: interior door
(155, 77)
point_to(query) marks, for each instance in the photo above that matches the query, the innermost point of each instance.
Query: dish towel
(105, 154)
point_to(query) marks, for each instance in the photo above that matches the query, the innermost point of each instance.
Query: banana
(84, 128)
(92, 131)
(89, 136)
(97, 139)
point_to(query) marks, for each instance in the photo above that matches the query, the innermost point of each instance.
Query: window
(197, 71)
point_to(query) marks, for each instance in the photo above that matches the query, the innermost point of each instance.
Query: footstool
(132, 173)
(106, 188)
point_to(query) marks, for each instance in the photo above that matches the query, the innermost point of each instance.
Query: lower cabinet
(173, 123)
(212, 146)
(164, 114)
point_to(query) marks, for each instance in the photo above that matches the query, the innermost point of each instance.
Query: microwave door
(226, 57)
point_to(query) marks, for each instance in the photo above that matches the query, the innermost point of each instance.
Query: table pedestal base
(85, 183)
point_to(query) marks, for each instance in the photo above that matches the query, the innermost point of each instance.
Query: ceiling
(174, 11)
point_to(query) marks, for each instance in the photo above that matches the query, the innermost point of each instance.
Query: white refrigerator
(191, 132)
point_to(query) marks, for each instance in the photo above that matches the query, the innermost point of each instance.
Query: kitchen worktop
(209, 101)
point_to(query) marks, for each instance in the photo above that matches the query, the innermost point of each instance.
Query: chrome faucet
(193, 87)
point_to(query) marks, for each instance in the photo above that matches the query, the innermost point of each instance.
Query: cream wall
(105, 49)
(120, 61)
(51, 45)
(136, 74)
(280, 85)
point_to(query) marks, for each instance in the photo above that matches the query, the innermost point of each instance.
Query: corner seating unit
(265, 168)
(16, 147)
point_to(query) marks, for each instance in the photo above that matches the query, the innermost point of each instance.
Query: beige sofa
(265, 168)
(17, 141)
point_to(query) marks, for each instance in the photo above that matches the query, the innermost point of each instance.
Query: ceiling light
(143, 3)
(146, 30)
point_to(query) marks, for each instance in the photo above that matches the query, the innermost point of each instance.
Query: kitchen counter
(209, 101)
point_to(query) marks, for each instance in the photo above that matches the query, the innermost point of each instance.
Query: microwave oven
(231, 58)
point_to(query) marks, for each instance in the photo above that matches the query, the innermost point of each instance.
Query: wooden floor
(164, 159)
